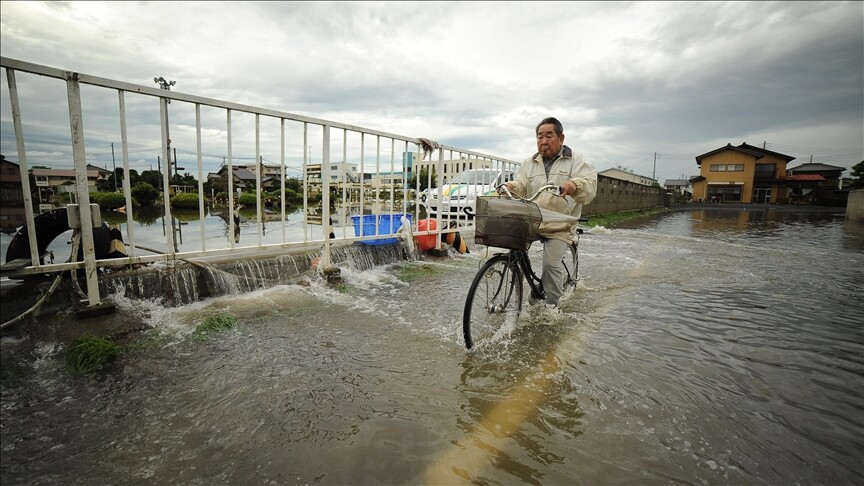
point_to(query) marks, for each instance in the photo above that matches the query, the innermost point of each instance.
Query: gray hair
(559, 128)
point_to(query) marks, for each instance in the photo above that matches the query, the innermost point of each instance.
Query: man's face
(548, 142)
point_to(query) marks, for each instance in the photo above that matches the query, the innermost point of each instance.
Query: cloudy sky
(628, 80)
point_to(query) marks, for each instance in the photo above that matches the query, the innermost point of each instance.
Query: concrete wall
(615, 195)
(855, 206)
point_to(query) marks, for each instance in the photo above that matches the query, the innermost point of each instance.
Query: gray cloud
(628, 79)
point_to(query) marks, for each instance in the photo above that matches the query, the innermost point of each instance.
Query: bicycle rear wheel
(494, 301)
(571, 266)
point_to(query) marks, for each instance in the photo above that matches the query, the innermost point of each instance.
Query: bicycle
(494, 299)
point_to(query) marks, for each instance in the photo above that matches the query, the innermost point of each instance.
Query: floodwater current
(701, 347)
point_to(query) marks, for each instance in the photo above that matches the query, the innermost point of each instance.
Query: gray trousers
(553, 269)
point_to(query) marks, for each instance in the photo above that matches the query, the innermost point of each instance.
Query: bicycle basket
(506, 223)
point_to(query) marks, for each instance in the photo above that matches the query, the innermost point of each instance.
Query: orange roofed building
(745, 174)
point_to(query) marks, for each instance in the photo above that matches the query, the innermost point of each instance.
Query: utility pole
(166, 85)
(654, 175)
(114, 163)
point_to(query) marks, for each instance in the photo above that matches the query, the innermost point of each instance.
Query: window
(765, 170)
(718, 168)
(724, 193)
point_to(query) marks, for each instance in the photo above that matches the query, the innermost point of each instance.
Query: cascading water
(184, 282)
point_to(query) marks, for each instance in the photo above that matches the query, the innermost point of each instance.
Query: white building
(625, 175)
(414, 164)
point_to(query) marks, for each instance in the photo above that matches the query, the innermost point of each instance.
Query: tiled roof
(815, 168)
(803, 178)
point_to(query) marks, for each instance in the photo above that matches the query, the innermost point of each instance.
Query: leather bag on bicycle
(506, 223)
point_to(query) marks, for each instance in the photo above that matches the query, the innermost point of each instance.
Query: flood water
(702, 347)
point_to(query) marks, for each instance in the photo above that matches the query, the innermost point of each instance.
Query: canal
(704, 346)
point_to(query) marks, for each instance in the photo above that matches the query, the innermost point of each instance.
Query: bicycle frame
(534, 282)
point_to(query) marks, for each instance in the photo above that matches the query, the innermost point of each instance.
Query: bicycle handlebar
(506, 190)
(503, 187)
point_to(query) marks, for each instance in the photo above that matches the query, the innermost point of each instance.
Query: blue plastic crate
(385, 223)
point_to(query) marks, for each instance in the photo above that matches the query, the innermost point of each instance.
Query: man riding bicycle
(577, 178)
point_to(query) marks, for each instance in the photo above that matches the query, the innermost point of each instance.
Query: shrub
(247, 199)
(186, 200)
(108, 200)
(145, 194)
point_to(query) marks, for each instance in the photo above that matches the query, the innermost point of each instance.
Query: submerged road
(701, 347)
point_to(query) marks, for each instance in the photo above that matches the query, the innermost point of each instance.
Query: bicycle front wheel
(494, 301)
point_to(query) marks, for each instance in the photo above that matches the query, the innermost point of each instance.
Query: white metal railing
(374, 152)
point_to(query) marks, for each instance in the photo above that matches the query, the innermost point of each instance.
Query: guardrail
(373, 152)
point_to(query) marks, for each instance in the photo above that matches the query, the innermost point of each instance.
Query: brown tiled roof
(802, 178)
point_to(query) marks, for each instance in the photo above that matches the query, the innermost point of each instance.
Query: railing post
(325, 199)
(25, 170)
(166, 175)
(127, 189)
(76, 124)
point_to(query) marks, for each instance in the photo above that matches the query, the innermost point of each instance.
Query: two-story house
(814, 183)
(745, 173)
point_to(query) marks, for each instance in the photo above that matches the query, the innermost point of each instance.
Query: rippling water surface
(705, 347)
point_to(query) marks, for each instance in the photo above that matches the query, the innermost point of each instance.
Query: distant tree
(294, 184)
(424, 179)
(186, 180)
(145, 194)
(153, 178)
(858, 175)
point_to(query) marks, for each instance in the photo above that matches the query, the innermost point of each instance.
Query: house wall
(855, 207)
(615, 195)
(778, 192)
(744, 178)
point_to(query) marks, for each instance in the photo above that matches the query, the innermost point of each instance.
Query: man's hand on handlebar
(568, 189)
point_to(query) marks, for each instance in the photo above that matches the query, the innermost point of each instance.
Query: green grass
(410, 273)
(607, 220)
(214, 325)
(88, 353)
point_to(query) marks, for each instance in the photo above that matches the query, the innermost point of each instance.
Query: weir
(178, 282)
(184, 282)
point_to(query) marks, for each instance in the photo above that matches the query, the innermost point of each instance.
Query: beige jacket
(569, 166)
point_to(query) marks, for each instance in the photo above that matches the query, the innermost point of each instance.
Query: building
(243, 178)
(51, 183)
(820, 184)
(12, 214)
(683, 188)
(742, 174)
(414, 164)
(340, 172)
(624, 175)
